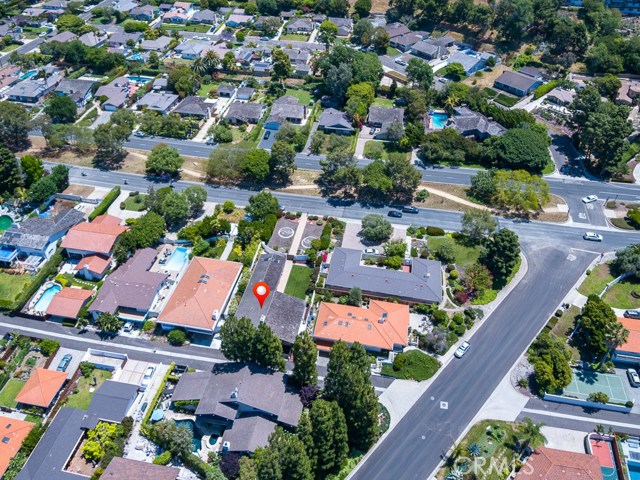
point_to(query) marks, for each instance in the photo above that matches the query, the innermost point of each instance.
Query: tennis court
(603, 450)
(586, 382)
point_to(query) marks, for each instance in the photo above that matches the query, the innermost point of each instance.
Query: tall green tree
(519, 148)
(329, 437)
(283, 161)
(267, 348)
(362, 8)
(501, 253)
(305, 355)
(237, 336)
(32, 169)
(627, 261)
(14, 126)
(517, 189)
(328, 32)
(282, 68)
(61, 109)
(420, 73)
(262, 204)
(9, 172)
(163, 159)
(600, 328)
(109, 323)
(285, 458)
(478, 224)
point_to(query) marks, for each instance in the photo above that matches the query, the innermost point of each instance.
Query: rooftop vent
(234, 394)
(339, 322)
(5, 439)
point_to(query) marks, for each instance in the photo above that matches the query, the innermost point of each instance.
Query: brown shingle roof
(551, 464)
(68, 302)
(124, 469)
(14, 431)
(41, 388)
(98, 236)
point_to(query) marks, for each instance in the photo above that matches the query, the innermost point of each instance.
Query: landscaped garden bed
(412, 365)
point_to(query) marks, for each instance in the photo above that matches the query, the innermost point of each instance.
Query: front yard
(9, 392)
(84, 391)
(412, 365)
(188, 28)
(466, 255)
(11, 286)
(377, 150)
(135, 203)
(618, 296)
(298, 281)
(295, 37)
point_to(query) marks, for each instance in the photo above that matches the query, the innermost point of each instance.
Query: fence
(585, 403)
(76, 198)
(612, 283)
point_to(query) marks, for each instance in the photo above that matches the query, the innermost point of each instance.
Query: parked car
(372, 130)
(264, 39)
(128, 327)
(634, 378)
(400, 62)
(632, 314)
(410, 209)
(144, 407)
(267, 135)
(590, 199)
(140, 134)
(146, 380)
(395, 213)
(370, 251)
(462, 349)
(592, 236)
(64, 363)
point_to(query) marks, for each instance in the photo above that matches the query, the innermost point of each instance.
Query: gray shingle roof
(426, 48)
(287, 107)
(75, 87)
(423, 284)
(245, 112)
(110, 403)
(194, 105)
(516, 80)
(468, 122)
(36, 232)
(158, 101)
(125, 469)
(248, 433)
(332, 118)
(383, 115)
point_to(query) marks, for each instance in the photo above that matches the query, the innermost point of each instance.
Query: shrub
(559, 313)
(228, 206)
(48, 346)
(177, 337)
(629, 404)
(453, 274)
(148, 326)
(435, 231)
(86, 368)
(163, 459)
(598, 397)
(106, 203)
(461, 297)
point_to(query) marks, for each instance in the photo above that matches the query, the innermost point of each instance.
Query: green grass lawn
(12, 285)
(188, 28)
(392, 52)
(596, 281)
(82, 399)
(136, 206)
(382, 102)
(296, 37)
(549, 167)
(9, 392)
(417, 366)
(619, 296)
(490, 92)
(466, 255)
(506, 100)
(298, 281)
(375, 149)
(89, 118)
(10, 48)
(205, 89)
(303, 96)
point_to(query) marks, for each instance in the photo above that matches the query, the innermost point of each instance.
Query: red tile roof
(14, 431)
(551, 464)
(382, 325)
(97, 236)
(68, 302)
(632, 345)
(41, 388)
(94, 263)
(202, 290)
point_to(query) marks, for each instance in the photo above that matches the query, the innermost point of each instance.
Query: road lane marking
(444, 405)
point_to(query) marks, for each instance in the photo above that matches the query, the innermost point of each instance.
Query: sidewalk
(284, 278)
(297, 238)
(227, 249)
(201, 136)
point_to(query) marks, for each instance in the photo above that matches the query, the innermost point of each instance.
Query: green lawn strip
(619, 295)
(12, 285)
(188, 28)
(392, 52)
(9, 392)
(294, 37)
(298, 281)
(131, 204)
(506, 100)
(354, 457)
(382, 102)
(549, 168)
(303, 96)
(387, 148)
(414, 365)
(596, 280)
(622, 223)
(33, 419)
(490, 91)
(82, 399)
(465, 255)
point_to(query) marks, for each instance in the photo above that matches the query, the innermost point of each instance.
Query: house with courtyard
(420, 283)
(13, 432)
(240, 112)
(384, 326)
(97, 237)
(78, 90)
(335, 121)
(286, 109)
(202, 296)
(132, 290)
(517, 83)
(42, 388)
(396, 29)
(406, 41)
(161, 102)
(629, 351)
(427, 50)
(63, 37)
(243, 403)
(32, 91)
(67, 303)
(548, 463)
(471, 61)
(561, 96)
(36, 238)
(283, 313)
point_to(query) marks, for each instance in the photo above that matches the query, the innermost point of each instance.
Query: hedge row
(106, 202)
(546, 88)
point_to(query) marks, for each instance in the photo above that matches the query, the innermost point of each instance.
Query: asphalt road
(32, 45)
(415, 447)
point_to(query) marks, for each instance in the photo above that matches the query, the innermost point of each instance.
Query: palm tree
(211, 60)
(532, 432)
(455, 474)
(108, 322)
(21, 195)
(451, 102)
(198, 66)
(474, 450)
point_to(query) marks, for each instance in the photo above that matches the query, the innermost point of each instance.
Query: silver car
(462, 349)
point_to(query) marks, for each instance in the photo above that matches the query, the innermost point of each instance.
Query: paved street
(32, 45)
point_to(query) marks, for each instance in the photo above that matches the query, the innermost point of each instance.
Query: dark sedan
(395, 213)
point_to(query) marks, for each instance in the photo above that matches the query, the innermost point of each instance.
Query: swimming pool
(178, 259)
(5, 222)
(135, 78)
(634, 471)
(44, 214)
(196, 438)
(136, 57)
(28, 75)
(438, 120)
(43, 302)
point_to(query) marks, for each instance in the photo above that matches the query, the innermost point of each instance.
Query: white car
(634, 379)
(128, 327)
(462, 349)
(592, 236)
(146, 380)
(590, 199)
(370, 251)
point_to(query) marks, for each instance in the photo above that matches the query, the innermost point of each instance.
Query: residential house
(384, 326)
(176, 16)
(93, 39)
(158, 45)
(298, 55)
(145, 13)
(261, 22)
(445, 41)
(14, 432)
(345, 25)
(68, 302)
(283, 313)
(240, 112)
(37, 236)
(110, 403)
(335, 121)
(286, 109)
(186, 6)
(161, 102)
(406, 41)
(383, 118)
(473, 124)
(561, 96)
(532, 72)
(78, 90)
(55, 5)
(550, 463)
(93, 238)
(116, 94)
(32, 91)
(300, 25)
(14, 32)
(262, 69)
(396, 29)
(236, 20)
(124, 5)
(124, 469)
(629, 92)
(124, 39)
(33, 17)
(160, 83)
(132, 289)
(226, 91)
(165, 7)
(422, 283)
(93, 267)
(428, 50)
(317, 18)
(517, 83)
(194, 106)
(9, 76)
(629, 351)
(205, 17)
(229, 396)
(190, 50)
(202, 295)
(471, 61)
(288, 15)
(42, 388)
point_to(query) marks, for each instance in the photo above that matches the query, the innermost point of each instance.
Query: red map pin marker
(261, 290)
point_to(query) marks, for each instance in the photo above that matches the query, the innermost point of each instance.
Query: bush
(48, 346)
(598, 397)
(228, 206)
(148, 326)
(106, 203)
(629, 404)
(453, 274)
(435, 231)
(163, 459)
(559, 313)
(412, 365)
(461, 297)
(86, 369)
(177, 337)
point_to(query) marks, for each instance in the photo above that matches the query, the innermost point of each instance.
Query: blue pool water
(135, 78)
(6, 254)
(43, 302)
(137, 57)
(439, 119)
(178, 259)
(28, 75)
(44, 214)
(634, 471)
(195, 440)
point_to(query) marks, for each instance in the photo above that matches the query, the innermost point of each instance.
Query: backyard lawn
(135, 203)
(205, 89)
(465, 255)
(298, 281)
(295, 37)
(383, 102)
(506, 100)
(9, 392)
(303, 96)
(82, 399)
(12, 285)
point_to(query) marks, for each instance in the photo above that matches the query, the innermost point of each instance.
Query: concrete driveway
(352, 239)
(268, 143)
(76, 357)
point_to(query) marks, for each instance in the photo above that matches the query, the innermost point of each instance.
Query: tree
(404, 176)
(483, 185)
(420, 73)
(124, 118)
(360, 96)
(229, 62)
(283, 160)
(598, 397)
(600, 328)
(362, 31)
(74, 24)
(379, 40)
(196, 196)
(108, 322)
(163, 160)
(9, 172)
(267, 348)
(520, 190)
(395, 131)
(608, 86)
(222, 134)
(337, 80)
(285, 458)
(281, 68)
(237, 335)
(519, 148)
(32, 169)
(354, 297)
(532, 432)
(329, 438)
(305, 355)
(627, 261)
(262, 204)
(14, 126)
(60, 176)
(477, 278)
(328, 32)
(501, 254)
(375, 228)
(177, 337)
(513, 18)
(240, 36)
(61, 109)
(184, 81)
(42, 190)
(48, 346)
(395, 248)
(478, 224)
(446, 252)
(455, 71)
(175, 438)
(174, 208)
(362, 8)
(109, 141)
(256, 165)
